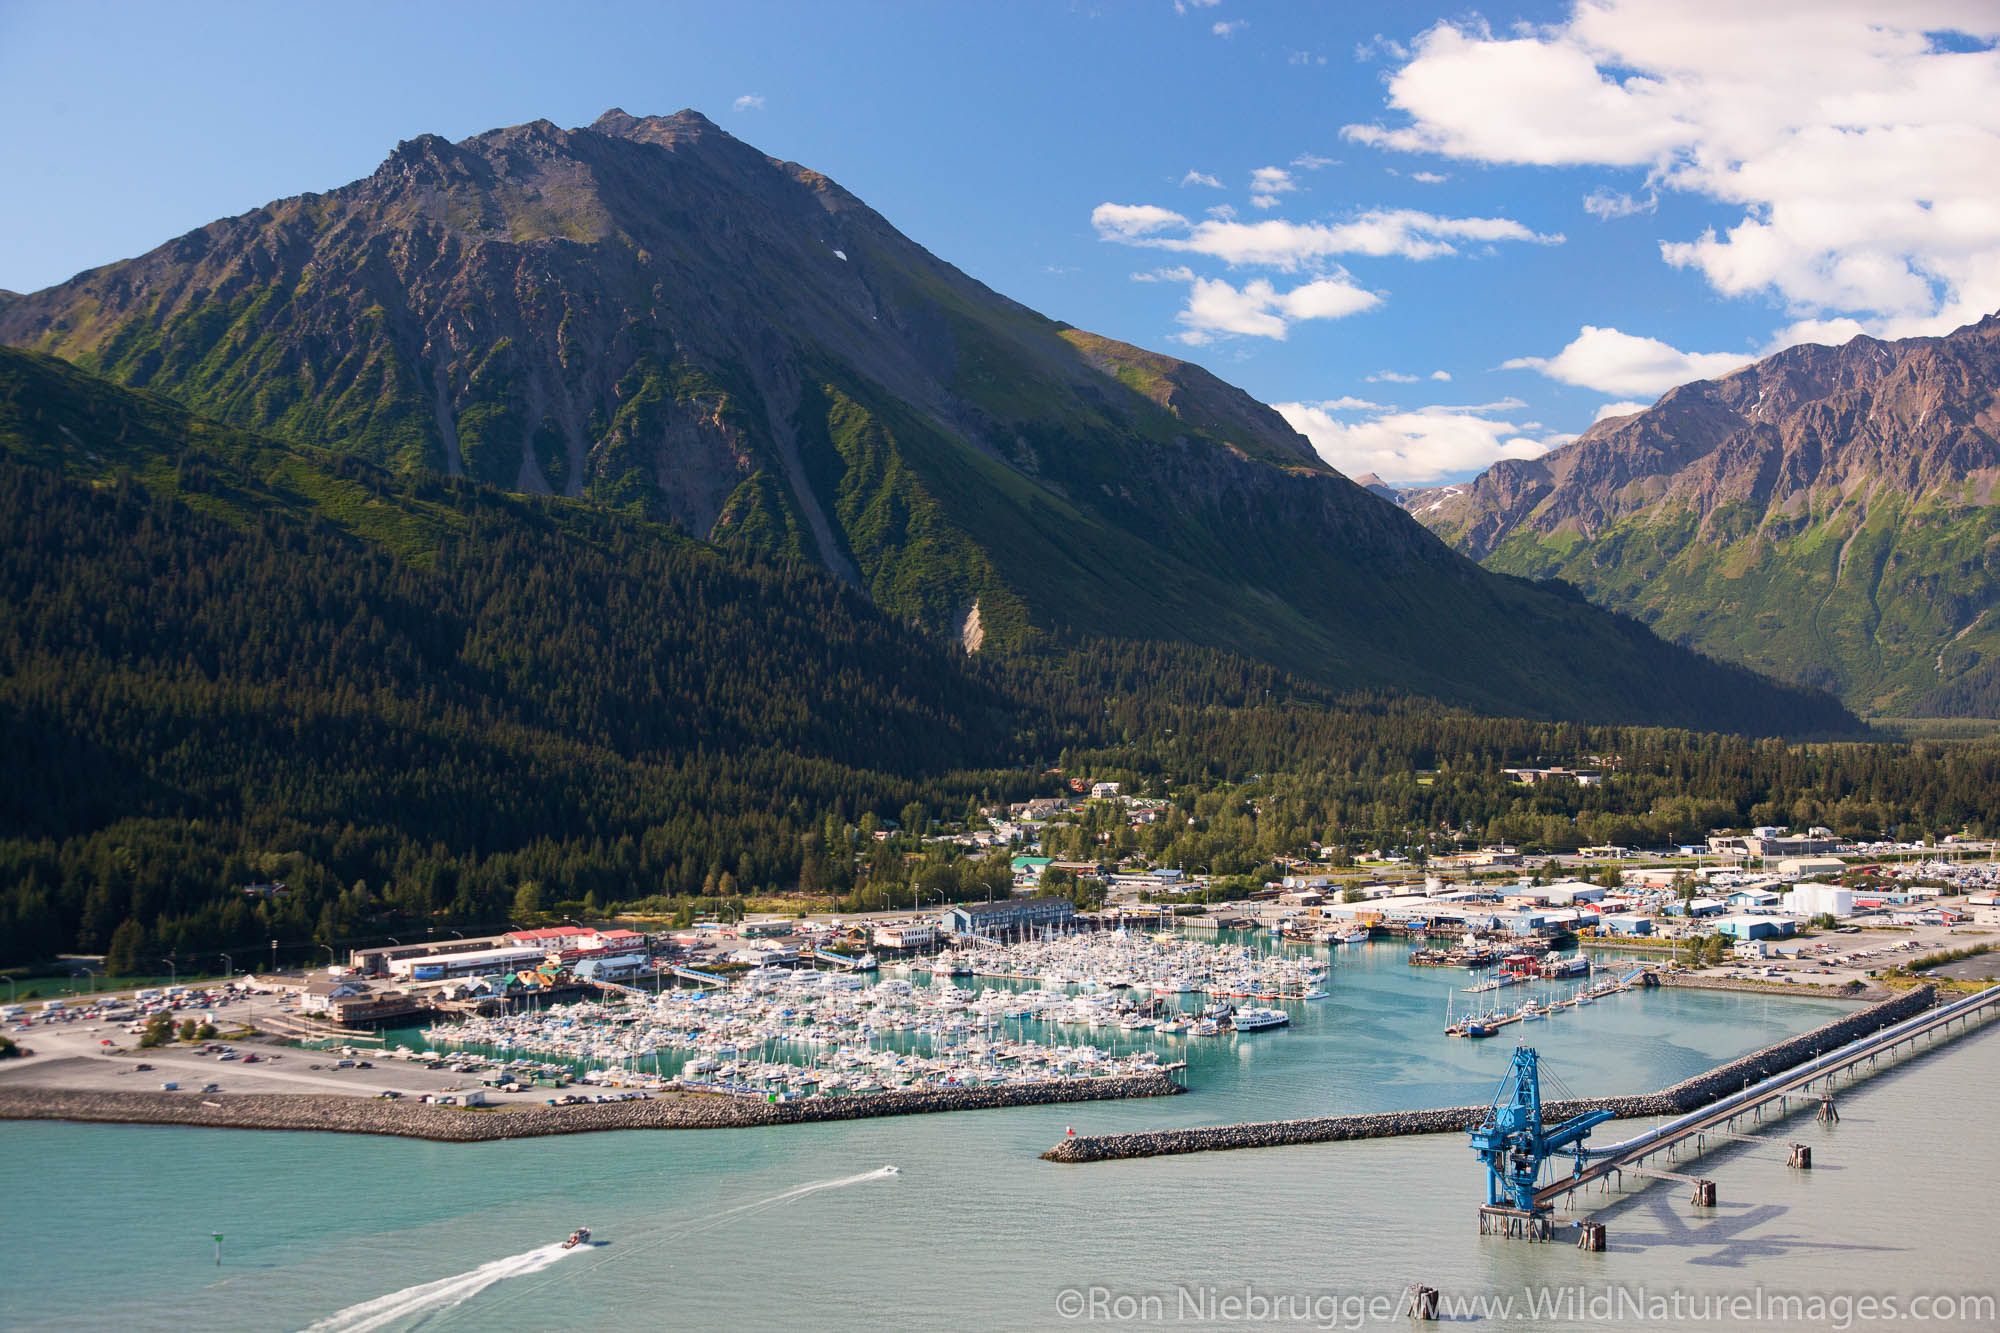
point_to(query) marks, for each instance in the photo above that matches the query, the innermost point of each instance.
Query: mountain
(652, 316)
(1826, 515)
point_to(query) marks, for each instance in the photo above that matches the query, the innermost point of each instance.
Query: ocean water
(799, 1227)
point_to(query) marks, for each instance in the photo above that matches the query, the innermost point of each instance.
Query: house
(1103, 791)
(1028, 869)
(346, 1000)
(1582, 777)
(1039, 808)
(1755, 899)
(323, 993)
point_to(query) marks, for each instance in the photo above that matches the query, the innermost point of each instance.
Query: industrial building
(1755, 927)
(473, 963)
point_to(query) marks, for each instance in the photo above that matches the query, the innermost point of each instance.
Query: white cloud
(1429, 177)
(1200, 178)
(1444, 375)
(749, 102)
(1267, 183)
(1618, 410)
(1406, 448)
(1859, 146)
(1222, 211)
(1183, 6)
(1229, 28)
(1130, 222)
(1405, 232)
(1305, 58)
(1606, 204)
(1313, 161)
(1620, 363)
(1349, 403)
(1260, 310)
(1392, 377)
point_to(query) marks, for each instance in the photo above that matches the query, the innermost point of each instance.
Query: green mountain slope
(1826, 516)
(650, 315)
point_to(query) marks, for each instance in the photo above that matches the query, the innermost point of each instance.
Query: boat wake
(430, 1297)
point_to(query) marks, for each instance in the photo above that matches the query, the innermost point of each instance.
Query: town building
(1014, 914)
(904, 934)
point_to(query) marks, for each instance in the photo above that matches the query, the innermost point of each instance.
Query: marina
(686, 1206)
(1081, 1006)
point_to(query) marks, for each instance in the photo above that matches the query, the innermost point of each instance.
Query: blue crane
(1513, 1143)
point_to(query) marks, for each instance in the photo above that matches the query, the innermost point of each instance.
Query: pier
(1690, 1135)
(1688, 1095)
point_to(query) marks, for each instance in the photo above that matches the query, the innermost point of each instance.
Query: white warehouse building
(1810, 900)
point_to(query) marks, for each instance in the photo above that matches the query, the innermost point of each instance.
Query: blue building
(1756, 927)
(1625, 923)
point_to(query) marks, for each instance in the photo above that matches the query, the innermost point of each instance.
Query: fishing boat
(580, 1236)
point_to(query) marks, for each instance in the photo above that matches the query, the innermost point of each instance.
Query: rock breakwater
(364, 1115)
(1687, 1095)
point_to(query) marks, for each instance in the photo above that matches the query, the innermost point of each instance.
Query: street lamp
(331, 957)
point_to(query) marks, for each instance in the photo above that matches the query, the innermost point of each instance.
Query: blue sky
(1432, 235)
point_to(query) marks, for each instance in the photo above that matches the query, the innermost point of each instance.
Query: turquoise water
(109, 1227)
(1376, 1043)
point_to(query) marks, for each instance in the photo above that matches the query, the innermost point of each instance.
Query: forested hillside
(425, 704)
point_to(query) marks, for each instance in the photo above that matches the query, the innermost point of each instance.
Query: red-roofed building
(554, 938)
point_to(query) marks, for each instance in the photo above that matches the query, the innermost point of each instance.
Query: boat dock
(1488, 1026)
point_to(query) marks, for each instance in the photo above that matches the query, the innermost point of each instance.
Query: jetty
(1688, 1095)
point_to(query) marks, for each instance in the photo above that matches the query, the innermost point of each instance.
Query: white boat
(1255, 1019)
(580, 1236)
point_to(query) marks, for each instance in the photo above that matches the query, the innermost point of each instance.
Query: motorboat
(1255, 1019)
(580, 1236)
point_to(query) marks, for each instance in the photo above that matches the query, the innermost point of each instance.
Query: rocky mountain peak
(1826, 513)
